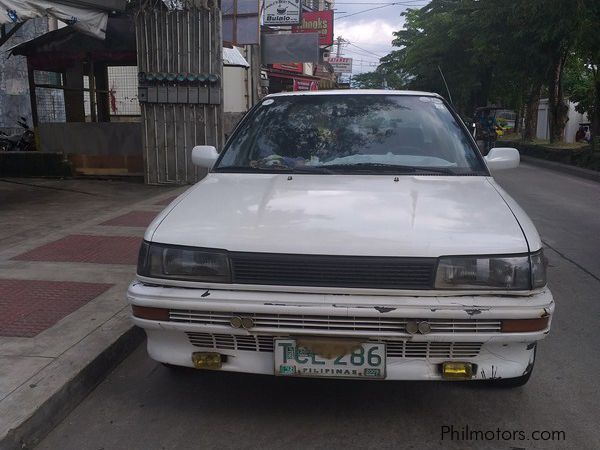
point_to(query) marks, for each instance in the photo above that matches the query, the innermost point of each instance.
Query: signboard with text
(289, 48)
(340, 65)
(291, 67)
(305, 85)
(282, 12)
(317, 22)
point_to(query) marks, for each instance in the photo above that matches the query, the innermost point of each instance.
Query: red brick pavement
(30, 306)
(132, 219)
(87, 249)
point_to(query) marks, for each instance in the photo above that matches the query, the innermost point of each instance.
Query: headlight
(518, 273)
(183, 263)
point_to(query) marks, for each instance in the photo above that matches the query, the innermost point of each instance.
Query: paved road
(143, 405)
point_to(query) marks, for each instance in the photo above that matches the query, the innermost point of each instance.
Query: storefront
(289, 77)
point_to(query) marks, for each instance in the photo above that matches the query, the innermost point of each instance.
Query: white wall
(575, 118)
(543, 131)
(234, 89)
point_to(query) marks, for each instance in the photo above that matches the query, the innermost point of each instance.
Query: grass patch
(576, 154)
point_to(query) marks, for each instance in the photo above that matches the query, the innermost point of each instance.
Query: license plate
(364, 360)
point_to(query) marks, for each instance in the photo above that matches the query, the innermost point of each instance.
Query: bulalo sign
(282, 12)
(317, 22)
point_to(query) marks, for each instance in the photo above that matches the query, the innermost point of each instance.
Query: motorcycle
(23, 142)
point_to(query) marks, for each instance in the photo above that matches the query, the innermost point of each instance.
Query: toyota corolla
(350, 234)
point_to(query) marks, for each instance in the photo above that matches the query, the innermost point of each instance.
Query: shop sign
(282, 12)
(340, 65)
(305, 85)
(317, 22)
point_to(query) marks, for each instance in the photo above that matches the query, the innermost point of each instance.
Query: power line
(365, 50)
(361, 52)
(363, 55)
(364, 3)
(379, 3)
(379, 7)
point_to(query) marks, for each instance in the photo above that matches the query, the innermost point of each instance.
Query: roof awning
(88, 20)
(66, 46)
(233, 58)
(292, 76)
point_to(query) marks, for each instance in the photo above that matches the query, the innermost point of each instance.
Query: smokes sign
(317, 22)
(282, 12)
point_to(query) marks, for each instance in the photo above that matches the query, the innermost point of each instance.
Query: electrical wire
(363, 55)
(380, 3)
(365, 50)
(380, 7)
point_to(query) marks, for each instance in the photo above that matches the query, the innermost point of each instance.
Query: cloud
(371, 28)
(373, 38)
(368, 33)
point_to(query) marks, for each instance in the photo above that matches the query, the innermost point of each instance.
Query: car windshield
(352, 134)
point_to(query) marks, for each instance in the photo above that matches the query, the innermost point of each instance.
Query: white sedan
(351, 234)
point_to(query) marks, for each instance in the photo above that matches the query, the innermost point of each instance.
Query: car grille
(409, 349)
(313, 323)
(332, 271)
(232, 341)
(394, 348)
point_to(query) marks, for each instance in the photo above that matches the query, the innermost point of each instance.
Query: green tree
(378, 79)
(582, 75)
(496, 51)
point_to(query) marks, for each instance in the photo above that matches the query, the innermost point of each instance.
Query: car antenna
(446, 84)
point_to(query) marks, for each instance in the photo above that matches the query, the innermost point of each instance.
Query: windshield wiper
(238, 169)
(389, 168)
(312, 169)
(274, 169)
(369, 167)
(440, 170)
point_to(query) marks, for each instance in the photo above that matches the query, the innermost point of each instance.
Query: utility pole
(338, 51)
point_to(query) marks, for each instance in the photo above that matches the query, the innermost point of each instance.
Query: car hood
(361, 215)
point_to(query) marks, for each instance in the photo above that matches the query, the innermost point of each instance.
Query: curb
(60, 404)
(580, 172)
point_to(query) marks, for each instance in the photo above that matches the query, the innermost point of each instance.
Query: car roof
(355, 92)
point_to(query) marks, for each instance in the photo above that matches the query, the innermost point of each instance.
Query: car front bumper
(463, 328)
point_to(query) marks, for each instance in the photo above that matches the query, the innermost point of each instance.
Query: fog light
(457, 370)
(206, 360)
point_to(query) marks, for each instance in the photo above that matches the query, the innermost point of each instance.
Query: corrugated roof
(233, 57)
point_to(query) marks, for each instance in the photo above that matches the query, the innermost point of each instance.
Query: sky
(369, 32)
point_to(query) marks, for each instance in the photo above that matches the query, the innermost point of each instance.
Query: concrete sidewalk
(68, 250)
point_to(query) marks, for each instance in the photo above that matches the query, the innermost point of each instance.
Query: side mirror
(501, 158)
(204, 156)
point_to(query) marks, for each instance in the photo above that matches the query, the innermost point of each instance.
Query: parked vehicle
(23, 141)
(351, 234)
(487, 129)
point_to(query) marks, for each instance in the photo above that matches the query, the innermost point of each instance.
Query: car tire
(518, 381)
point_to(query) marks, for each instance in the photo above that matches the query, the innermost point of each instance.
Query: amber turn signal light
(145, 312)
(457, 370)
(524, 325)
(207, 360)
